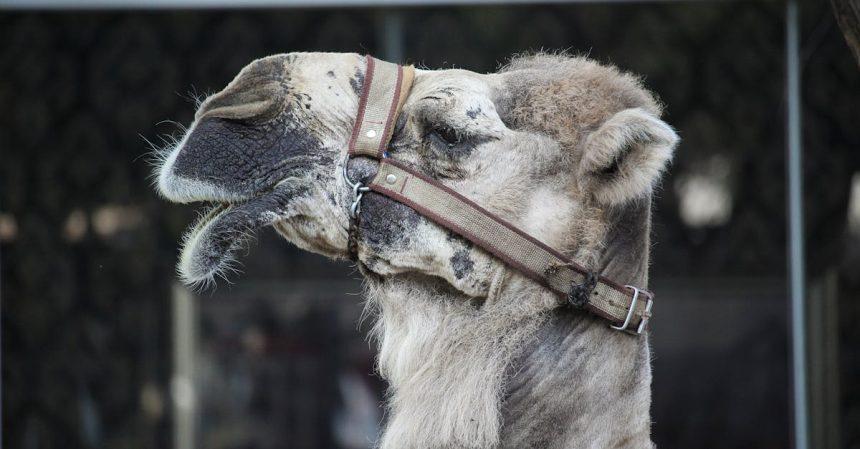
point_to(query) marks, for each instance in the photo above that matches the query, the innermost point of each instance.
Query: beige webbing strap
(384, 90)
(516, 248)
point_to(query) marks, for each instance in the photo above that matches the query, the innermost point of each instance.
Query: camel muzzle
(249, 171)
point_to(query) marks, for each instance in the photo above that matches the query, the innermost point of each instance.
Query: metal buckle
(646, 315)
(358, 190)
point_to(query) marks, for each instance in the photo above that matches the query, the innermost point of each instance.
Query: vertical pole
(390, 33)
(2, 401)
(182, 384)
(797, 288)
(822, 360)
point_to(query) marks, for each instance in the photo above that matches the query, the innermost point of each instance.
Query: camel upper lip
(183, 190)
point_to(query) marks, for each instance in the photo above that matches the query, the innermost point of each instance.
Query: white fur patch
(447, 361)
(549, 215)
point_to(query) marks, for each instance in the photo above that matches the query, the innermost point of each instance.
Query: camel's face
(268, 149)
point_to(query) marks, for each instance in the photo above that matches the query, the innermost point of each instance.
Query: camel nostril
(257, 93)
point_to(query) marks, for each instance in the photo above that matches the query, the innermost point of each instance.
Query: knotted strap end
(579, 294)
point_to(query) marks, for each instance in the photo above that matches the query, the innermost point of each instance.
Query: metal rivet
(391, 179)
(371, 133)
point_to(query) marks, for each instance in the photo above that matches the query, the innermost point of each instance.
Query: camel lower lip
(210, 244)
(210, 214)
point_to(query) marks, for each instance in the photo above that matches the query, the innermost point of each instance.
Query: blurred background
(101, 348)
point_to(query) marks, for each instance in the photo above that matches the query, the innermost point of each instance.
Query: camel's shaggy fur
(477, 355)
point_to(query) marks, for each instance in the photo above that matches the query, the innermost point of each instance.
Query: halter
(385, 89)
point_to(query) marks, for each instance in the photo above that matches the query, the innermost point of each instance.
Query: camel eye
(445, 135)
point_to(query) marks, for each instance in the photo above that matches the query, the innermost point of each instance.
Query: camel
(476, 354)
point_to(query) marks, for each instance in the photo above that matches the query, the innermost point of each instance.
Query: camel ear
(626, 155)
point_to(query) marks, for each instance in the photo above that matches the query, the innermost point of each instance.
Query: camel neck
(579, 384)
(506, 375)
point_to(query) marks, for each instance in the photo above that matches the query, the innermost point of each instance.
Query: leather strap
(386, 87)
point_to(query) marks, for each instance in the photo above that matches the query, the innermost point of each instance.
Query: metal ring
(355, 206)
(646, 315)
(344, 172)
(630, 312)
(358, 189)
(636, 292)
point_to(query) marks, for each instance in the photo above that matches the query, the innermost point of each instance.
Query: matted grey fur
(477, 356)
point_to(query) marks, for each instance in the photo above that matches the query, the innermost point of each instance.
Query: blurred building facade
(91, 356)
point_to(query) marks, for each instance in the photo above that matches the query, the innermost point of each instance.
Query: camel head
(566, 149)
(553, 144)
